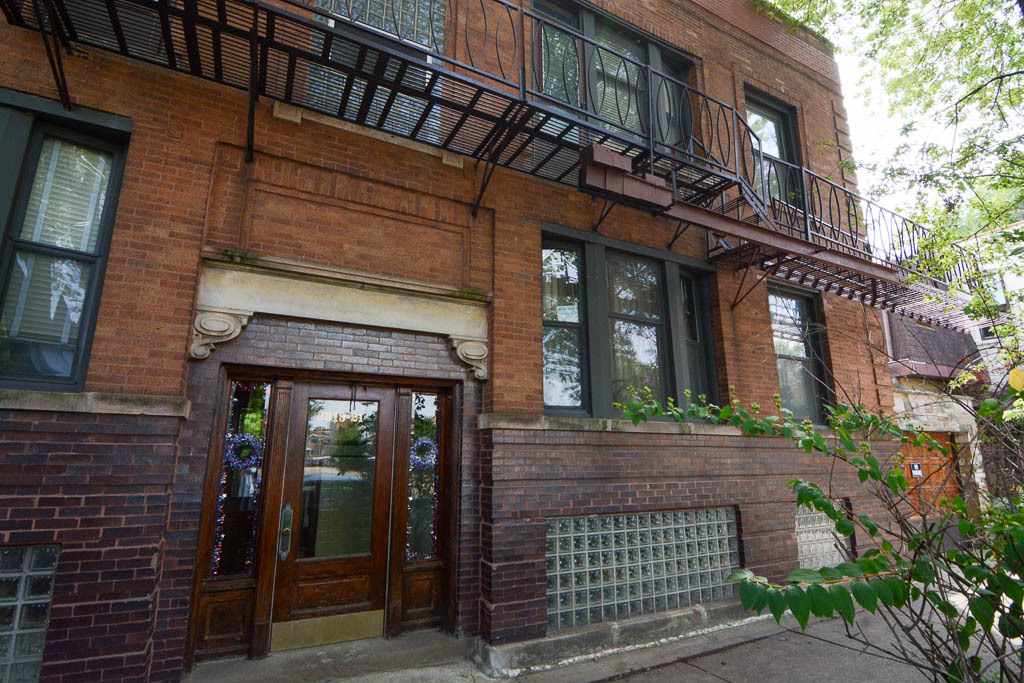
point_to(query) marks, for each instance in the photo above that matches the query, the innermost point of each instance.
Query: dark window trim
(584, 409)
(42, 128)
(783, 111)
(109, 126)
(578, 236)
(597, 344)
(818, 338)
(583, 10)
(666, 347)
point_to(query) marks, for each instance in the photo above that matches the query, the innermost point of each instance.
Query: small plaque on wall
(915, 470)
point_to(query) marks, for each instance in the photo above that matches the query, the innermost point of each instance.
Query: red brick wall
(99, 486)
(174, 191)
(530, 475)
(122, 494)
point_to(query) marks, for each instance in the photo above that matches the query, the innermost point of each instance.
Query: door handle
(284, 537)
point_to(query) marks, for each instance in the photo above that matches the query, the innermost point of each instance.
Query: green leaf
(799, 605)
(831, 574)
(865, 595)
(863, 475)
(821, 601)
(843, 602)
(886, 546)
(725, 413)
(883, 591)
(1011, 626)
(850, 569)
(805, 576)
(739, 574)
(899, 590)
(983, 611)
(748, 594)
(762, 598)
(924, 571)
(776, 603)
(965, 527)
(844, 526)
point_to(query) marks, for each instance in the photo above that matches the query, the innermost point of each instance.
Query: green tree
(948, 584)
(952, 65)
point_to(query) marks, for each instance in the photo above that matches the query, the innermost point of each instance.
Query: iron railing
(495, 81)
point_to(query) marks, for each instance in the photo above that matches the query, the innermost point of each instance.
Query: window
(613, 319)
(614, 86)
(798, 354)
(563, 326)
(419, 25)
(55, 246)
(775, 125)
(636, 325)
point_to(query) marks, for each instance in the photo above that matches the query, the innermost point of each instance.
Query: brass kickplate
(290, 635)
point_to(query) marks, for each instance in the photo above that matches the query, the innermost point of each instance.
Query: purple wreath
(423, 453)
(235, 451)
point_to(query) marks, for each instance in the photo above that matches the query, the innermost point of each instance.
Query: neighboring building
(1005, 284)
(925, 360)
(313, 316)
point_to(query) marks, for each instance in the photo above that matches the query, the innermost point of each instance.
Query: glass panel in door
(338, 479)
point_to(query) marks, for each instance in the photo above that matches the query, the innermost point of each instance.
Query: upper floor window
(54, 253)
(774, 123)
(798, 354)
(603, 74)
(613, 319)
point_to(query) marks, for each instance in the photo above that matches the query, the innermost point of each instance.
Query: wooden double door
(329, 506)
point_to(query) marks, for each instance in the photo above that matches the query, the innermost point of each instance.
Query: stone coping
(94, 402)
(590, 424)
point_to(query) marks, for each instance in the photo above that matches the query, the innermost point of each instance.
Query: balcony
(509, 87)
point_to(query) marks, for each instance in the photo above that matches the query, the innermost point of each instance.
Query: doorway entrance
(326, 515)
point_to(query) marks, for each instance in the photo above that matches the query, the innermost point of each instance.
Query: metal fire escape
(509, 87)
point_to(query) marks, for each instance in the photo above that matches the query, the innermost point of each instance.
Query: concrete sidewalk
(758, 650)
(755, 650)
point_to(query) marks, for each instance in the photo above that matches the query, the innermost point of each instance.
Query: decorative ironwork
(511, 87)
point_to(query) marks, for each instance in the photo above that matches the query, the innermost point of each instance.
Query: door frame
(261, 585)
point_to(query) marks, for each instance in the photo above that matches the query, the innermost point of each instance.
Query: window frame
(786, 114)
(584, 408)
(40, 129)
(673, 345)
(657, 53)
(816, 338)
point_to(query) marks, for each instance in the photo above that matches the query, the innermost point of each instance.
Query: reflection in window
(336, 511)
(634, 306)
(774, 128)
(563, 327)
(559, 54)
(620, 88)
(424, 471)
(41, 320)
(234, 541)
(796, 355)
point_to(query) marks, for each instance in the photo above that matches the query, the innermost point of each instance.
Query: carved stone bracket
(215, 327)
(473, 353)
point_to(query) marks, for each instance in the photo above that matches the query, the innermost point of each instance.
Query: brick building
(441, 237)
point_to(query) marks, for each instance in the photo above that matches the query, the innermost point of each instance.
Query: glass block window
(606, 567)
(816, 542)
(26, 588)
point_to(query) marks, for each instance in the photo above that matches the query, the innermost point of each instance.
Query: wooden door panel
(333, 595)
(338, 482)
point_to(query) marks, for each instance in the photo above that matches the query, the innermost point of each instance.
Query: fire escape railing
(498, 82)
